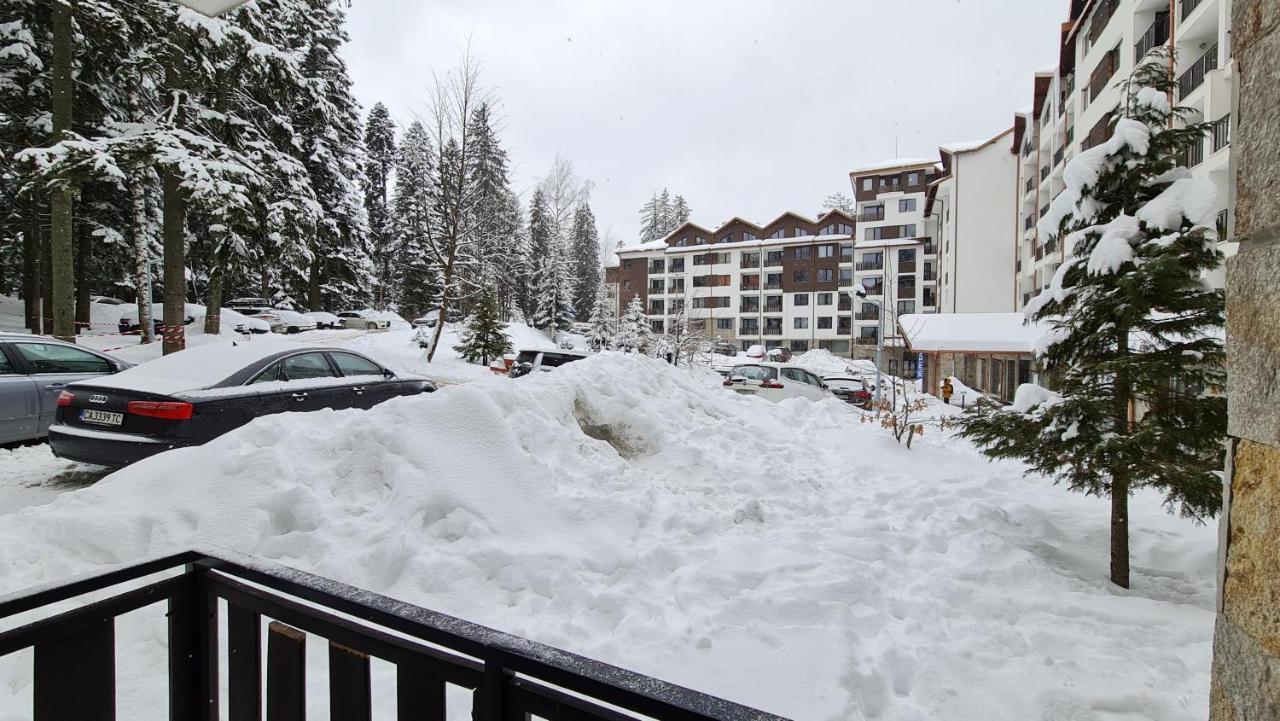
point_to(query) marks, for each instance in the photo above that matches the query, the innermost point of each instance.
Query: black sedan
(188, 398)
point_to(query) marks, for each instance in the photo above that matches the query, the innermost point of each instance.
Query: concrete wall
(1246, 665)
(978, 268)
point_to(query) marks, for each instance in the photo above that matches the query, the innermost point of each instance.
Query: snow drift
(782, 555)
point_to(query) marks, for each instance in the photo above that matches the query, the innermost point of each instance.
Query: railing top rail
(642, 694)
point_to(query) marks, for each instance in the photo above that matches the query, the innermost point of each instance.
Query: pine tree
(635, 335)
(600, 336)
(842, 203)
(484, 337)
(1135, 334)
(651, 221)
(553, 285)
(585, 251)
(417, 279)
(679, 213)
(380, 159)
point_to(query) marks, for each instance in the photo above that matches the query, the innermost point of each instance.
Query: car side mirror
(386, 373)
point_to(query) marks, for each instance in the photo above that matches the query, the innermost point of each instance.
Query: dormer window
(748, 235)
(727, 239)
(700, 240)
(682, 242)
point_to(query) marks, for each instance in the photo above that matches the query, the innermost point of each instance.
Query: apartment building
(970, 213)
(785, 283)
(1075, 105)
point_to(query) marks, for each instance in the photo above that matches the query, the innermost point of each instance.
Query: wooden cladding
(1103, 73)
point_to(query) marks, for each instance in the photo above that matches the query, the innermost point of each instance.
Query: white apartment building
(1075, 104)
(971, 215)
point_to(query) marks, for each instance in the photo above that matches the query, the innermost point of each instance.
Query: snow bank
(782, 555)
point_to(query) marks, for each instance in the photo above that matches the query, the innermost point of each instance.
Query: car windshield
(527, 356)
(552, 360)
(755, 373)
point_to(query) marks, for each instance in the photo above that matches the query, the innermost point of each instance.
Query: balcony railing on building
(1029, 222)
(1157, 34)
(871, 216)
(1051, 245)
(930, 248)
(1044, 210)
(1221, 132)
(1194, 76)
(1039, 252)
(748, 262)
(1194, 154)
(865, 340)
(867, 315)
(1030, 185)
(1058, 155)
(869, 265)
(907, 289)
(1044, 173)
(930, 275)
(1221, 225)
(749, 286)
(1188, 7)
(876, 289)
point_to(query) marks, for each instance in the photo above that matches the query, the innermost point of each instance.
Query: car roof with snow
(206, 366)
(562, 351)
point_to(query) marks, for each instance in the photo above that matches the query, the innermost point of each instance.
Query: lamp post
(860, 293)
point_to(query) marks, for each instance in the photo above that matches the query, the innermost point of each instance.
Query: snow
(785, 555)
(1029, 396)
(969, 332)
(1083, 171)
(1113, 248)
(1195, 199)
(192, 369)
(893, 163)
(964, 146)
(1153, 98)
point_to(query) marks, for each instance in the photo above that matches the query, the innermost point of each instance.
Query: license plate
(105, 418)
(745, 392)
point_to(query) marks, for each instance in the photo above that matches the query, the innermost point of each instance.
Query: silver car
(33, 371)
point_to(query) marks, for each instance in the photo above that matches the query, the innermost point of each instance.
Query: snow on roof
(193, 368)
(651, 245)
(964, 146)
(969, 332)
(1025, 110)
(896, 242)
(893, 163)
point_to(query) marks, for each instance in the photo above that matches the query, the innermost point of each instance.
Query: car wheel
(370, 326)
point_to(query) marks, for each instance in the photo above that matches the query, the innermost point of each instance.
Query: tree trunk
(313, 284)
(444, 308)
(83, 319)
(62, 292)
(46, 283)
(213, 303)
(175, 278)
(32, 270)
(141, 255)
(1120, 531)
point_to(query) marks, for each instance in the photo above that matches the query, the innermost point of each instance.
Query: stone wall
(1246, 665)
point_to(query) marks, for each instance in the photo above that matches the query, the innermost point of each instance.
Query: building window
(825, 275)
(846, 276)
(909, 231)
(656, 287)
(657, 326)
(748, 235)
(800, 323)
(799, 346)
(749, 260)
(677, 305)
(773, 257)
(802, 253)
(626, 265)
(626, 285)
(824, 298)
(913, 179)
(773, 281)
(716, 302)
(773, 304)
(777, 233)
(657, 267)
(750, 304)
(800, 299)
(700, 240)
(724, 324)
(773, 326)
(677, 265)
(868, 185)
(801, 276)
(798, 232)
(873, 233)
(657, 307)
(676, 286)
(907, 205)
(749, 326)
(824, 323)
(826, 251)
(846, 253)
(682, 242)
(906, 307)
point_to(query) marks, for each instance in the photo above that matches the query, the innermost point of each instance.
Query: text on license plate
(106, 418)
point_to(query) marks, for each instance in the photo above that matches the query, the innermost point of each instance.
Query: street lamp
(859, 292)
(212, 8)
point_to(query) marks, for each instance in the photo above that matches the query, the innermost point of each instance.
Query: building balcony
(1157, 34)
(866, 316)
(875, 290)
(1220, 131)
(773, 286)
(871, 217)
(930, 276)
(749, 264)
(865, 340)
(1188, 7)
(1193, 78)
(906, 266)
(752, 287)
(930, 248)
(868, 266)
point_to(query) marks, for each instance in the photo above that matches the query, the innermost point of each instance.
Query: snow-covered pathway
(785, 556)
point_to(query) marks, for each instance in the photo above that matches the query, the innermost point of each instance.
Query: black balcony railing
(1039, 252)
(873, 315)
(929, 248)
(865, 340)
(1194, 154)
(1044, 173)
(1030, 185)
(1194, 76)
(1157, 34)
(773, 286)
(749, 286)
(1058, 155)
(930, 276)
(871, 216)
(1221, 224)
(1221, 131)
(509, 677)
(876, 289)
(1051, 245)
(1029, 222)
(1044, 210)
(869, 265)
(1188, 7)
(749, 263)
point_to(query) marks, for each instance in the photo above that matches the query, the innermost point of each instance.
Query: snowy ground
(785, 556)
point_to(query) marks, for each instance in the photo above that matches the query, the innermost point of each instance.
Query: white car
(105, 300)
(287, 321)
(324, 320)
(776, 382)
(357, 319)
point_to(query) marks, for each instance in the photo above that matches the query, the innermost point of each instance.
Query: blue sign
(919, 366)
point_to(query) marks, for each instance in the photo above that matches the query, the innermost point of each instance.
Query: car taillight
(167, 410)
(771, 384)
(65, 398)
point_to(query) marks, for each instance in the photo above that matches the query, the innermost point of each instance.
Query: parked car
(286, 321)
(248, 306)
(128, 323)
(358, 319)
(34, 369)
(850, 389)
(324, 320)
(581, 328)
(776, 382)
(528, 361)
(778, 355)
(105, 300)
(196, 395)
(724, 348)
(431, 317)
(756, 352)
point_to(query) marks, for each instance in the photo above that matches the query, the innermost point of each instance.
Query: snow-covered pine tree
(417, 277)
(600, 336)
(666, 219)
(842, 203)
(553, 283)
(585, 256)
(485, 338)
(635, 335)
(680, 212)
(537, 246)
(380, 159)
(651, 220)
(495, 224)
(1135, 339)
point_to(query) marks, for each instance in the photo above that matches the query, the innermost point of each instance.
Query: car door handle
(55, 386)
(298, 396)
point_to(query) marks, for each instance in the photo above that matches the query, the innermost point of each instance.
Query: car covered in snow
(776, 382)
(362, 320)
(528, 361)
(324, 320)
(106, 300)
(196, 395)
(248, 306)
(755, 352)
(431, 317)
(34, 370)
(849, 388)
(286, 321)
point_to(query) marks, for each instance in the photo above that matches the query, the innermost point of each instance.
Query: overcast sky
(746, 107)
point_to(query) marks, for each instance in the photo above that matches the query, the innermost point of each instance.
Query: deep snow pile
(785, 556)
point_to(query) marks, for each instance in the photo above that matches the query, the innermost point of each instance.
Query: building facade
(1076, 103)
